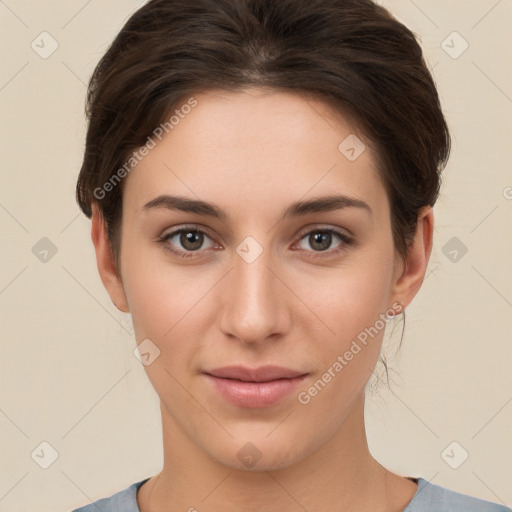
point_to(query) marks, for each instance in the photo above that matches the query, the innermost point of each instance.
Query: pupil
(324, 239)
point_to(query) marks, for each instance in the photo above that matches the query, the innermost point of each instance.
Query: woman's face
(261, 282)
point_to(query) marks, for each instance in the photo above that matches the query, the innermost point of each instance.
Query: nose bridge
(254, 307)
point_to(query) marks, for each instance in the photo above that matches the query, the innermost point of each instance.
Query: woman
(260, 177)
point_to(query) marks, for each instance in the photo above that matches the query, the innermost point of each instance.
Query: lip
(254, 388)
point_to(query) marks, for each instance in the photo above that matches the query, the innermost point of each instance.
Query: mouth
(254, 388)
(262, 374)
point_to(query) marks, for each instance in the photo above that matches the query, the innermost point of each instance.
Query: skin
(253, 153)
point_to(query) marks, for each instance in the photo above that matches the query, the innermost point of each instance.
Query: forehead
(257, 145)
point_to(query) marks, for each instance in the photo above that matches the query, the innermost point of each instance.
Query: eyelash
(345, 239)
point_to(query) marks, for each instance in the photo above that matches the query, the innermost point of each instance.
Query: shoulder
(125, 500)
(430, 497)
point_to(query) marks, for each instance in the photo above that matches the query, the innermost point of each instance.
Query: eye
(320, 240)
(185, 241)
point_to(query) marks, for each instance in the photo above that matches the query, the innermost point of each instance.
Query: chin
(261, 452)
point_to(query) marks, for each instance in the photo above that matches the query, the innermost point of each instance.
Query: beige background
(68, 375)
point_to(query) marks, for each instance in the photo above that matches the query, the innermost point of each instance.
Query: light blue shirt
(428, 498)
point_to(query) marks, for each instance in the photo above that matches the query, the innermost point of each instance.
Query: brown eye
(191, 240)
(321, 241)
(185, 241)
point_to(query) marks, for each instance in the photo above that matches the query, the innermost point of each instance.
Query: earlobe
(414, 267)
(105, 261)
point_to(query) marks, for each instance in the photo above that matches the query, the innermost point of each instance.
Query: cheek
(354, 307)
(171, 306)
(165, 306)
(346, 300)
(161, 295)
(352, 302)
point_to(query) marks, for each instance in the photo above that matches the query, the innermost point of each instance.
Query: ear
(105, 261)
(411, 272)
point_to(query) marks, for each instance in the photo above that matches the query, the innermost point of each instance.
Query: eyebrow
(297, 209)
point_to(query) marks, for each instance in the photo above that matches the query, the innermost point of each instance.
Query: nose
(254, 301)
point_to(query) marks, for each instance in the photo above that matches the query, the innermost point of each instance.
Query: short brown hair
(352, 54)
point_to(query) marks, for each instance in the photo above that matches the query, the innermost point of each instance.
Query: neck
(340, 475)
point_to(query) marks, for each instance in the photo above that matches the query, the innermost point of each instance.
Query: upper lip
(262, 374)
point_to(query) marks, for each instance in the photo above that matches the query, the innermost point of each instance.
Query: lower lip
(254, 395)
